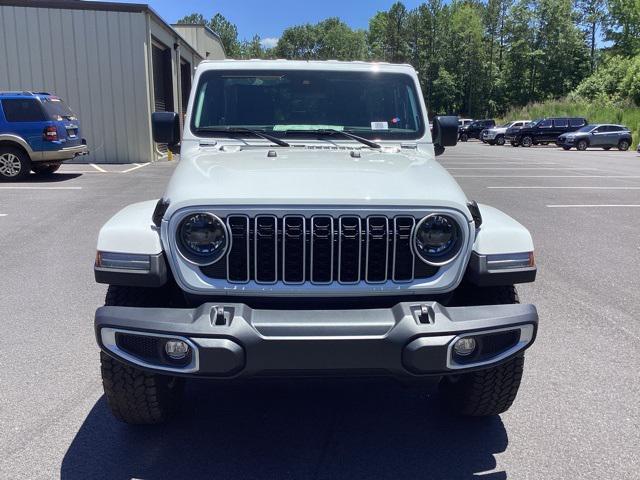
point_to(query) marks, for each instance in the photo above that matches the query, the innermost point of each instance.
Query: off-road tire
(526, 141)
(623, 145)
(493, 390)
(135, 396)
(485, 392)
(45, 170)
(17, 157)
(500, 140)
(582, 145)
(464, 137)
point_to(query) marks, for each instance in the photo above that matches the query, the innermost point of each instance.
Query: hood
(302, 176)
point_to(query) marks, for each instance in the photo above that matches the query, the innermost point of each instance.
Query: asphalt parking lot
(577, 415)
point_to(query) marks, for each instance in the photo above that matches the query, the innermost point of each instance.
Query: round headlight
(202, 238)
(437, 239)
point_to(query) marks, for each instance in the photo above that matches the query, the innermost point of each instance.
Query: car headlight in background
(437, 239)
(202, 238)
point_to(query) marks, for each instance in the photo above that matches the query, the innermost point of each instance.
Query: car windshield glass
(372, 105)
(57, 109)
(586, 128)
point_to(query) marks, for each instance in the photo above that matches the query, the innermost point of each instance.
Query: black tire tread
(135, 396)
(490, 391)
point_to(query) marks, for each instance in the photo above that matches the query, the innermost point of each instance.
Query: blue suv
(38, 131)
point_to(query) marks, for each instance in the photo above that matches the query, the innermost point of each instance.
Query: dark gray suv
(603, 136)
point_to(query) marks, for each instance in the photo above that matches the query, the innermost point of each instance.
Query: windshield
(586, 128)
(57, 109)
(372, 105)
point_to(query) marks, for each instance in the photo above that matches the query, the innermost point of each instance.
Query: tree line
(478, 58)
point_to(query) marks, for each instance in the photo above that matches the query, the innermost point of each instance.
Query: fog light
(465, 346)
(176, 349)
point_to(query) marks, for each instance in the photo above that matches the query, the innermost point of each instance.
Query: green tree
(623, 26)
(194, 18)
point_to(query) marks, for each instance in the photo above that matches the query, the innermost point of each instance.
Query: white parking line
(595, 206)
(568, 188)
(100, 169)
(3, 214)
(137, 166)
(39, 188)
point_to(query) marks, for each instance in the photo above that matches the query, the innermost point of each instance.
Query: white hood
(303, 176)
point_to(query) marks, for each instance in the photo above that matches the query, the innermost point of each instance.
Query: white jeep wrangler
(309, 231)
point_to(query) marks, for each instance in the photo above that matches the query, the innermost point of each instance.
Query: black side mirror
(165, 127)
(445, 132)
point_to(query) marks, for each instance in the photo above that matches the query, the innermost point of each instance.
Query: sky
(269, 18)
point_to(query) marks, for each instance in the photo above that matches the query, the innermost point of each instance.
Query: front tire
(500, 140)
(582, 145)
(527, 141)
(464, 137)
(135, 396)
(490, 391)
(15, 164)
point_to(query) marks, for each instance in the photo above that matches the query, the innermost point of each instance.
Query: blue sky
(269, 18)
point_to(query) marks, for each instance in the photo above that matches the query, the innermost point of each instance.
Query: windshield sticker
(395, 120)
(379, 126)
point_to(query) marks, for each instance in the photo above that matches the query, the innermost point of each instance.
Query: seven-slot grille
(321, 249)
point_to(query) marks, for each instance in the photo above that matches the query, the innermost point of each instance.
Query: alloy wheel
(623, 145)
(10, 165)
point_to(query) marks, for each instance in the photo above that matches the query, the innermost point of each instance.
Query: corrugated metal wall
(96, 61)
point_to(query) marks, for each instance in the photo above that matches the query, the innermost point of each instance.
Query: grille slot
(238, 257)
(377, 249)
(403, 258)
(294, 247)
(266, 249)
(349, 249)
(321, 249)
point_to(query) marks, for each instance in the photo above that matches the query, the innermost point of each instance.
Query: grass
(593, 112)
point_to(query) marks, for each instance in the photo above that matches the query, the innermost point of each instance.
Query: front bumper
(234, 340)
(63, 154)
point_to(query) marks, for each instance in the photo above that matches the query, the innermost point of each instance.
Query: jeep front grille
(320, 249)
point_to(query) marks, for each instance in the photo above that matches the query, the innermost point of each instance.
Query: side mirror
(445, 132)
(165, 127)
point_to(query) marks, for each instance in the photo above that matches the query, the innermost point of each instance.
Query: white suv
(309, 231)
(495, 135)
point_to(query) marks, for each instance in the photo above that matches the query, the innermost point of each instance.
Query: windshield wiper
(257, 133)
(346, 133)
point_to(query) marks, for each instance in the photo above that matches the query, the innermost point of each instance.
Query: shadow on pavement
(301, 430)
(55, 178)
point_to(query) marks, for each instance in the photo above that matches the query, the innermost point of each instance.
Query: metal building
(113, 63)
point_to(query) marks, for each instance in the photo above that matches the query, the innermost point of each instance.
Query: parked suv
(308, 231)
(496, 135)
(463, 122)
(602, 136)
(545, 130)
(38, 131)
(473, 129)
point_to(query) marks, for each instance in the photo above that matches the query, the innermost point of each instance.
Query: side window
(545, 123)
(613, 128)
(561, 122)
(22, 110)
(577, 122)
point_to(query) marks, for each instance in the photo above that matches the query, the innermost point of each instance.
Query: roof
(258, 64)
(79, 5)
(24, 94)
(96, 6)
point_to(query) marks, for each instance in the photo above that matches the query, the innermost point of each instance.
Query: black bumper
(233, 340)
